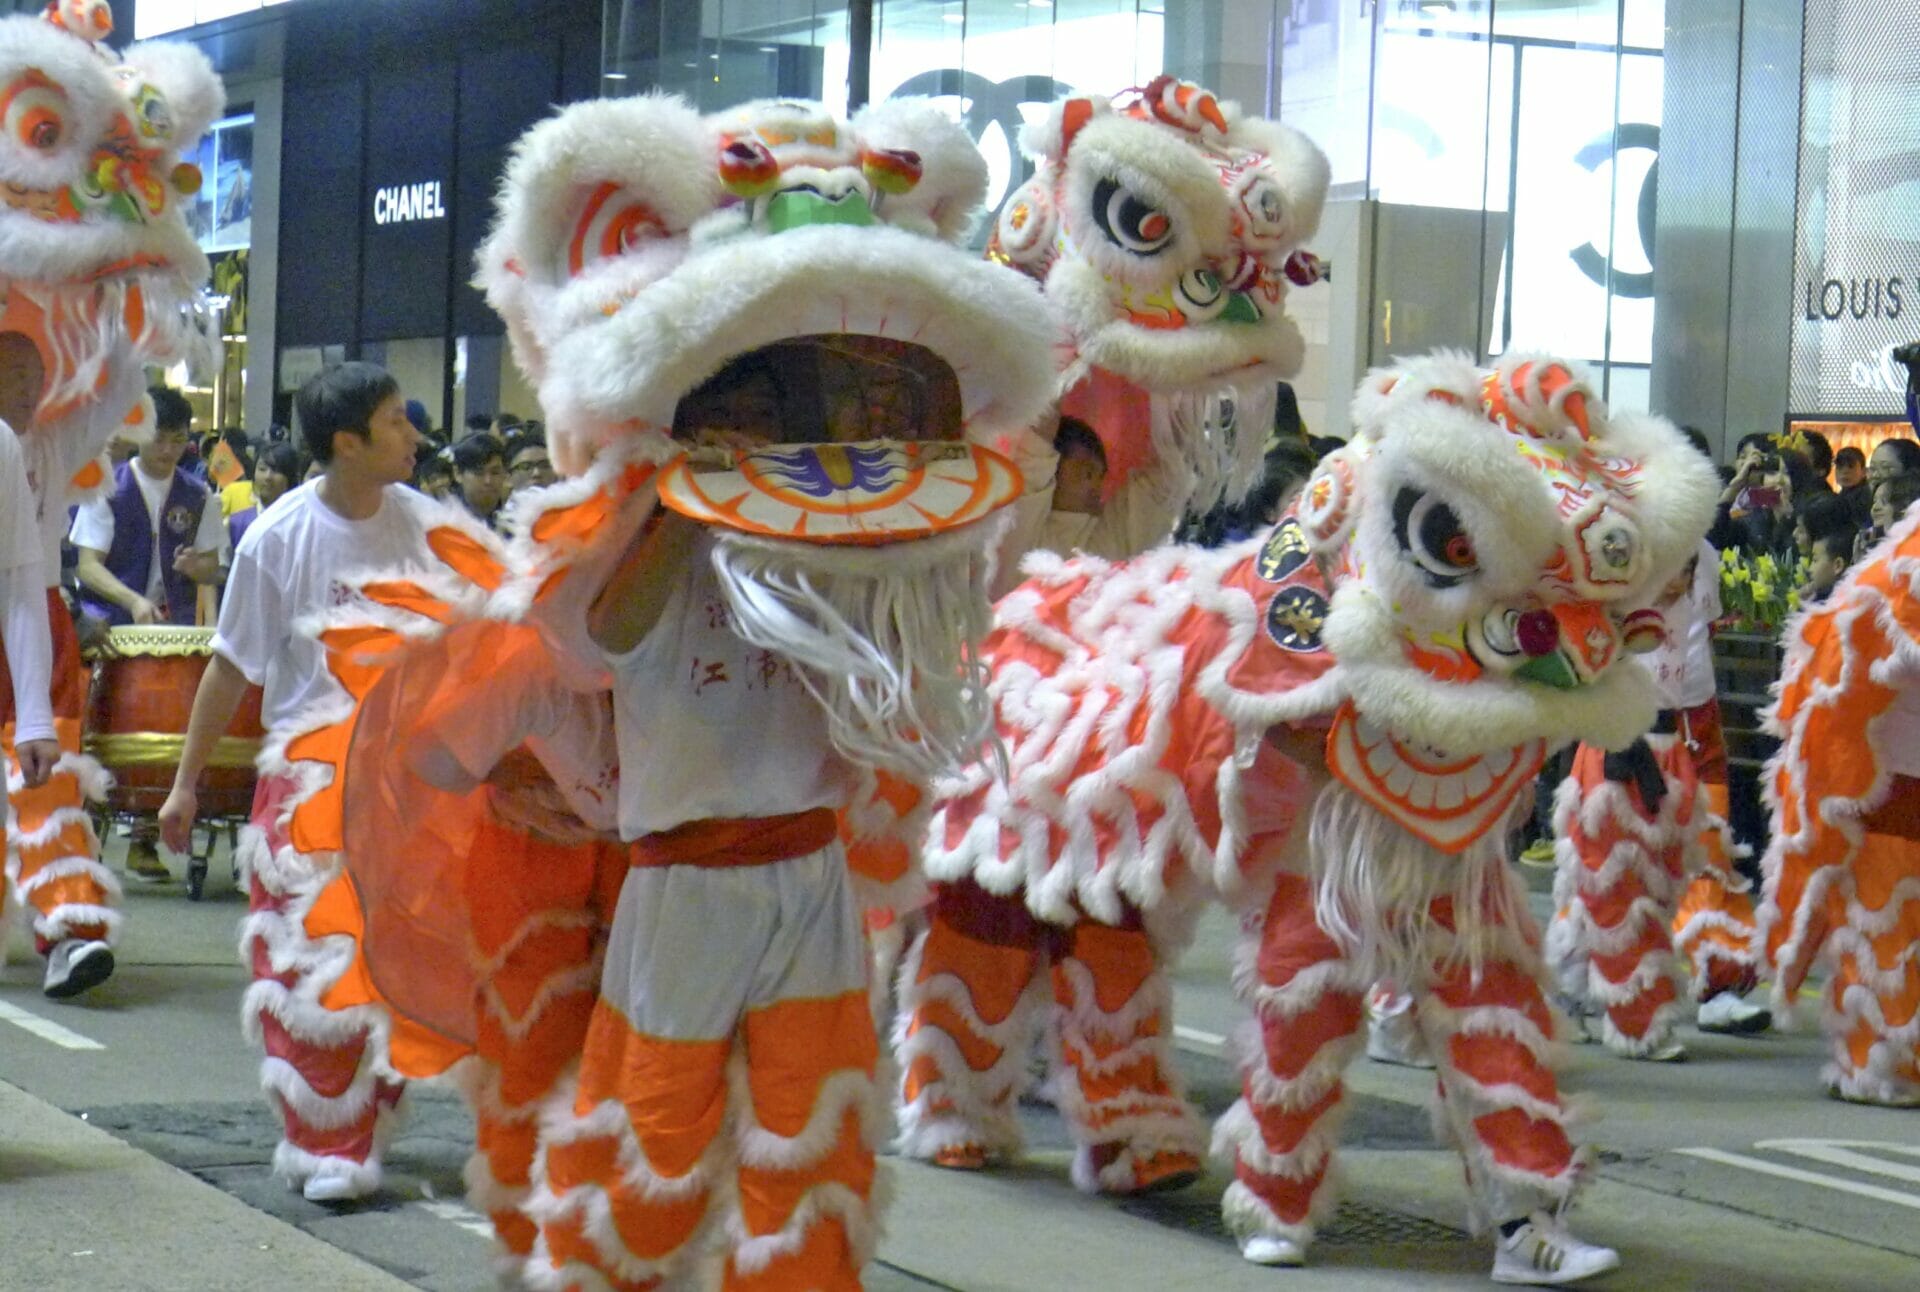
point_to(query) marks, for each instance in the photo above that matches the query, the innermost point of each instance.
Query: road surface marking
(1841, 1153)
(1204, 1042)
(471, 1221)
(1895, 1196)
(46, 1029)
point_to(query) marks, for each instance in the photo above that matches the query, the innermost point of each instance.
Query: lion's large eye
(1129, 222)
(1431, 535)
(36, 112)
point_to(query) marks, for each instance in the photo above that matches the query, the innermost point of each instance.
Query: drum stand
(201, 842)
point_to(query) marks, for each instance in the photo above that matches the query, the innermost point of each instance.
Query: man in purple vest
(148, 545)
(146, 548)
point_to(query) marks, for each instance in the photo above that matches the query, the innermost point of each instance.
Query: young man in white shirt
(358, 514)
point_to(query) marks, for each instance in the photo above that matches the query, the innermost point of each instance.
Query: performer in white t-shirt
(357, 515)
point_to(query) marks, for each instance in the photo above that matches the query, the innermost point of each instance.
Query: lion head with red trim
(641, 247)
(1497, 541)
(1162, 222)
(99, 273)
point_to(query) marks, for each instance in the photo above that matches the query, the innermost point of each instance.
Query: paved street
(1727, 1172)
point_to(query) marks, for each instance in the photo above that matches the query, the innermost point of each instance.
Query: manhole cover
(1356, 1224)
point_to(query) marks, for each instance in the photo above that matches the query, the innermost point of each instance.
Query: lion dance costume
(1164, 226)
(1451, 597)
(1843, 869)
(99, 276)
(1644, 859)
(666, 1036)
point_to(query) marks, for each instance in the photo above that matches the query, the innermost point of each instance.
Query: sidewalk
(85, 1210)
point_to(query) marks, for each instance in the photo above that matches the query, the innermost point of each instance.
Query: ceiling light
(613, 76)
(954, 17)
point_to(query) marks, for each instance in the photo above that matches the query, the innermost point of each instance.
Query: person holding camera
(1757, 506)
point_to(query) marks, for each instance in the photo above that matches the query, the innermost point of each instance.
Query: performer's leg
(53, 864)
(1625, 867)
(1490, 1028)
(53, 856)
(1309, 1004)
(634, 1150)
(1119, 1091)
(809, 1109)
(1873, 1018)
(320, 1073)
(970, 1001)
(536, 911)
(1714, 927)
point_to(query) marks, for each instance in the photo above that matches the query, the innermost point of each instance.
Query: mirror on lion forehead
(823, 390)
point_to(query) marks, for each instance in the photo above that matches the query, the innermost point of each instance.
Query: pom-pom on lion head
(640, 247)
(1496, 540)
(1161, 222)
(99, 273)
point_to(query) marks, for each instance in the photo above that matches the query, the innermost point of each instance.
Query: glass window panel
(1326, 83)
(1430, 120)
(1562, 199)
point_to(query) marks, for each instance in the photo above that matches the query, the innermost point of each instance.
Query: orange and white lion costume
(1330, 729)
(1843, 868)
(99, 278)
(626, 1140)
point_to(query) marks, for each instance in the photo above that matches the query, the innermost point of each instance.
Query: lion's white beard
(1212, 463)
(1375, 885)
(86, 329)
(887, 639)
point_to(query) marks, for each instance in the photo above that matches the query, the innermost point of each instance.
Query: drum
(137, 709)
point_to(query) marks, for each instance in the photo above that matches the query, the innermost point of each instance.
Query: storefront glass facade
(1525, 131)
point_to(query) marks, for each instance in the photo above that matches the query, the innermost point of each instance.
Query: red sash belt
(737, 841)
(1899, 816)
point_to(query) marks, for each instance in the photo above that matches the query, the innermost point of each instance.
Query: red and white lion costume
(99, 278)
(469, 892)
(1331, 730)
(1165, 226)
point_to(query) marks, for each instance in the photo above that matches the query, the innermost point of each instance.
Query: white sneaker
(329, 1185)
(1671, 1052)
(1579, 1016)
(1729, 1015)
(1542, 1253)
(1393, 1037)
(75, 965)
(1271, 1249)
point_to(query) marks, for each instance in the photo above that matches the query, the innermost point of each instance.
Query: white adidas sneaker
(74, 965)
(1541, 1253)
(1729, 1015)
(1271, 1249)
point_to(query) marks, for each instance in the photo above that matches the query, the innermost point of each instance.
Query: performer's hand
(144, 611)
(201, 567)
(37, 758)
(176, 818)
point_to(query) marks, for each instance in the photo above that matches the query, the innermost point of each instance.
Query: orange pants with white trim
(321, 1071)
(1489, 1033)
(1621, 856)
(973, 993)
(52, 853)
(1873, 999)
(722, 1125)
(538, 913)
(1713, 930)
